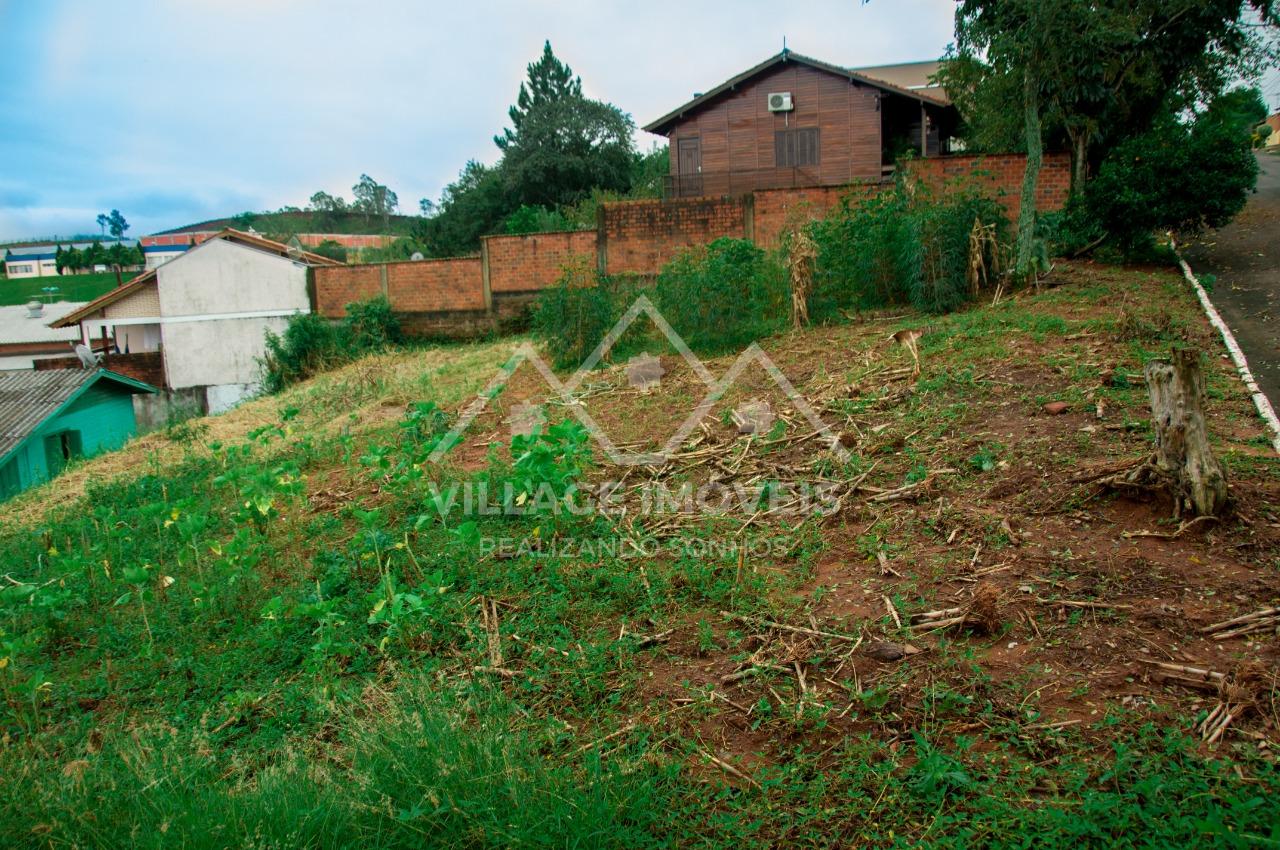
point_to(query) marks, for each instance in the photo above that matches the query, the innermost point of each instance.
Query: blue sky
(175, 111)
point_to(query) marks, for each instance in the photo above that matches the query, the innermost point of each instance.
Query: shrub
(902, 245)
(724, 296)
(536, 219)
(371, 326)
(944, 229)
(332, 249)
(312, 344)
(572, 317)
(1181, 176)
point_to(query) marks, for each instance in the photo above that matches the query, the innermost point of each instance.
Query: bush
(903, 245)
(572, 317)
(724, 296)
(312, 344)
(330, 248)
(537, 219)
(371, 326)
(1181, 176)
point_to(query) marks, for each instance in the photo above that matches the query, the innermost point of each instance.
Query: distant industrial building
(41, 259)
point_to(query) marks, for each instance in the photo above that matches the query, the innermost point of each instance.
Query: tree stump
(1183, 460)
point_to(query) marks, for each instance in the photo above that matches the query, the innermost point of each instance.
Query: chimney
(35, 310)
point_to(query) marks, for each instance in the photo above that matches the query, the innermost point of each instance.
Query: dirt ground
(1072, 592)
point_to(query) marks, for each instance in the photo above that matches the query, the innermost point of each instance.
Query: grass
(71, 287)
(255, 629)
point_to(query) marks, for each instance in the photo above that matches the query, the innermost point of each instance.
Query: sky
(176, 111)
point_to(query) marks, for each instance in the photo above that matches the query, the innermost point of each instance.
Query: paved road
(1245, 257)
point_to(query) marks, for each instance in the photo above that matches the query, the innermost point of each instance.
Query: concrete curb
(1260, 400)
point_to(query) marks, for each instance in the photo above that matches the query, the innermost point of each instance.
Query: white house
(205, 313)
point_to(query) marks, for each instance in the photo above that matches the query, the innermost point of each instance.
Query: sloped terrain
(262, 628)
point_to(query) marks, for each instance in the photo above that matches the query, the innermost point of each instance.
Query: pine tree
(550, 80)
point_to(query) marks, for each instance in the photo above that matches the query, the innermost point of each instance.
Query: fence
(469, 296)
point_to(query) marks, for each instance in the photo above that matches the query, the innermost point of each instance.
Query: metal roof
(661, 125)
(18, 325)
(28, 398)
(233, 236)
(48, 250)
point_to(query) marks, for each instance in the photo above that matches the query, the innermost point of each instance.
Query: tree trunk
(1183, 455)
(1079, 158)
(1031, 176)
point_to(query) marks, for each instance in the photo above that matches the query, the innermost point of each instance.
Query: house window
(23, 268)
(795, 148)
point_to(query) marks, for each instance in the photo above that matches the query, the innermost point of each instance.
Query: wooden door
(689, 166)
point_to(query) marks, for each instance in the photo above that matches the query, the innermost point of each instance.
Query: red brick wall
(640, 236)
(446, 297)
(145, 366)
(1000, 174)
(535, 261)
(338, 286)
(414, 286)
(775, 209)
(427, 286)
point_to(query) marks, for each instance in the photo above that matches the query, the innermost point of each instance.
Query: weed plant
(311, 344)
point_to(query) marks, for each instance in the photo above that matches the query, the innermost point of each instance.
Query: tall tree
(117, 225)
(1016, 37)
(566, 148)
(374, 199)
(550, 80)
(1100, 70)
(1108, 68)
(102, 223)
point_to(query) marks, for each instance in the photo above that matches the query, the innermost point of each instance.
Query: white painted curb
(1265, 410)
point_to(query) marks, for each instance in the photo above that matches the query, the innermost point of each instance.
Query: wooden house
(795, 121)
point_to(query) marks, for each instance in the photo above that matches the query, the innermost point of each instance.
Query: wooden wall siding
(737, 131)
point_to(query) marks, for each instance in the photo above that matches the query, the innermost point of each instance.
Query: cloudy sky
(175, 111)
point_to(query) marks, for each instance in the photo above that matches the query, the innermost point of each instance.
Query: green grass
(71, 287)
(269, 638)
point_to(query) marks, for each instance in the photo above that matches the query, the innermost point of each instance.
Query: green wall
(99, 420)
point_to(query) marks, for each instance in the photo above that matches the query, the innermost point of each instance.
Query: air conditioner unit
(780, 101)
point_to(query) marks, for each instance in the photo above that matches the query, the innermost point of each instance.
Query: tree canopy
(561, 149)
(1098, 72)
(1104, 71)
(549, 80)
(374, 199)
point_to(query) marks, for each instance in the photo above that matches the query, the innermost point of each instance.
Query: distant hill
(288, 223)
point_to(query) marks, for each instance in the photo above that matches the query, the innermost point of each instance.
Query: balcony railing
(715, 183)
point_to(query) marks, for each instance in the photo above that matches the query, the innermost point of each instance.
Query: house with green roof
(48, 418)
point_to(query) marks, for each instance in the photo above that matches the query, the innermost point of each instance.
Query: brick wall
(432, 285)
(534, 261)
(1001, 175)
(640, 236)
(146, 366)
(449, 298)
(776, 209)
(338, 286)
(413, 286)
